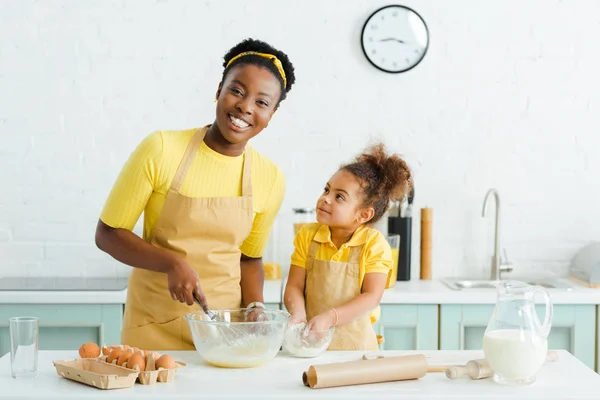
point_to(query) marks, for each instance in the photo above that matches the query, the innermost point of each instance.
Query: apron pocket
(163, 336)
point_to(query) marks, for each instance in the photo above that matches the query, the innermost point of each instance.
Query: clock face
(395, 38)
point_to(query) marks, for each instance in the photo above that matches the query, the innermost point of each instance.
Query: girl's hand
(323, 321)
(297, 319)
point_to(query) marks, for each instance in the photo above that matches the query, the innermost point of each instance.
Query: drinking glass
(24, 332)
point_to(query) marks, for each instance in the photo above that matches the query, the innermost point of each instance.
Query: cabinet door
(408, 327)
(273, 306)
(573, 328)
(66, 326)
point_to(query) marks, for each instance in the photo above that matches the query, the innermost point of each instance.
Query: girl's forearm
(358, 306)
(293, 298)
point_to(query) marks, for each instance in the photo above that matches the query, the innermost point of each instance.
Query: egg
(106, 350)
(138, 360)
(166, 362)
(114, 355)
(89, 350)
(124, 357)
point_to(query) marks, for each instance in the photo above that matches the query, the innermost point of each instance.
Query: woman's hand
(256, 314)
(184, 284)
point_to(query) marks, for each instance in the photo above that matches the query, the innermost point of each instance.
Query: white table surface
(567, 378)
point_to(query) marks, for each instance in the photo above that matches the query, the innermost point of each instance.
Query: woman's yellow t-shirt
(376, 255)
(146, 177)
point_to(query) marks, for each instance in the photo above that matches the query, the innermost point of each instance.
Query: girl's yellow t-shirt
(146, 177)
(376, 255)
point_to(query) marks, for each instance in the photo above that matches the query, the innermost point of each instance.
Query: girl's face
(247, 100)
(340, 204)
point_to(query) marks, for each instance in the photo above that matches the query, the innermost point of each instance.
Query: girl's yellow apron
(208, 232)
(329, 284)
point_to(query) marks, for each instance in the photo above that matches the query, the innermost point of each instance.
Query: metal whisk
(231, 334)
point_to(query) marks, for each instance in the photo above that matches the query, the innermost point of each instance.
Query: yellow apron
(206, 231)
(329, 284)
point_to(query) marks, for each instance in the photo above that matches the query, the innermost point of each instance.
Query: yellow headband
(265, 55)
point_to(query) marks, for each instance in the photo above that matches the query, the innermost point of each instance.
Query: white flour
(299, 346)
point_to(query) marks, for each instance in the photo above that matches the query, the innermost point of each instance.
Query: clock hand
(392, 39)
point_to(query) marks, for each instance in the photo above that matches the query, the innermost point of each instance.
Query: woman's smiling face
(247, 100)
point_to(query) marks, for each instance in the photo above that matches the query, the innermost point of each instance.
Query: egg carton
(96, 373)
(151, 375)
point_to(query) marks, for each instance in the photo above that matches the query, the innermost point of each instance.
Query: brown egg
(166, 362)
(106, 350)
(89, 350)
(124, 357)
(114, 355)
(138, 360)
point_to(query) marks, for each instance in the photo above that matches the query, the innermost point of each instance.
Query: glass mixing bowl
(238, 343)
(310, 344)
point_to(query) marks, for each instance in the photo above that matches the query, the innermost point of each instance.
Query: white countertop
(567, 378)
(272, 294)
(436, 292)
(411, 292)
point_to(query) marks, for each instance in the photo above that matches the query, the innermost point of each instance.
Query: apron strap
(190, 154)
(354, 256)
(188, 157)
(247, 174)
(312, 249)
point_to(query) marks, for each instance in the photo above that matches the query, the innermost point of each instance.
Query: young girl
(340, 266)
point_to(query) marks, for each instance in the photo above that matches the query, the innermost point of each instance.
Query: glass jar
(394, 242)
(303, 216)
(515, 342)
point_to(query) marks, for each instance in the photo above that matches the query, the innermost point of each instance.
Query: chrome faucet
(497, 264)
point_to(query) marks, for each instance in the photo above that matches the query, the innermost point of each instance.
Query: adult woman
(209, 202)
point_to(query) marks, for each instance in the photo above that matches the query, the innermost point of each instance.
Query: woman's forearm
(252, 279)
(128, 248)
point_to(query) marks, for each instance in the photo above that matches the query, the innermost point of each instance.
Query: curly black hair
(261, 47)
(382, 177)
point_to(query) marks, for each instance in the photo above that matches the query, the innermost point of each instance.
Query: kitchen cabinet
(273, 306)
(408, 326)
(597, 321)
(573, 328)
(66, 326)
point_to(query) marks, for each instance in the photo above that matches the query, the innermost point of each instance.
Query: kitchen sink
(465, 284)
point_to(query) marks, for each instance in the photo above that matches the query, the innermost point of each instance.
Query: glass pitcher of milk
(515, 342)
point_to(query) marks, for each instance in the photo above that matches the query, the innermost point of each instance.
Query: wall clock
(395, 38)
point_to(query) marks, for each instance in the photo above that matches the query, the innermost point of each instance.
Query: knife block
(402, 226)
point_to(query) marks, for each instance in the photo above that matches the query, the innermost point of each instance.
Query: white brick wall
(507, 97)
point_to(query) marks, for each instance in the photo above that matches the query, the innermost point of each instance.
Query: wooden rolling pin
(367, 370)
(480, 369)
(429, 368)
